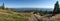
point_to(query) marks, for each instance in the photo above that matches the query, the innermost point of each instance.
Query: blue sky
(29, 3)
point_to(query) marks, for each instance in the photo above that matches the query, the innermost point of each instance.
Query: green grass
(8, 15)
(11, 17)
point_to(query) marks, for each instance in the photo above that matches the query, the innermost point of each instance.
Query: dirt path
(35, 18)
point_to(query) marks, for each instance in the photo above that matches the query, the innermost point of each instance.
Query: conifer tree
(3, 6)
(56, 8)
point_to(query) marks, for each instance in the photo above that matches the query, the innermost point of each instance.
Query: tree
(56, 8)
(3, 6)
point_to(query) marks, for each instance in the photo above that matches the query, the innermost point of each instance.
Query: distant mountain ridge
(38, 9)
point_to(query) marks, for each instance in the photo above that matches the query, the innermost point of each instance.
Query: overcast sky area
(29, 3)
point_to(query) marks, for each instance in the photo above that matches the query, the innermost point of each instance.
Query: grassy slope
(6, 15)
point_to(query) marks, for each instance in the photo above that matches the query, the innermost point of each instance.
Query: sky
(28, 3)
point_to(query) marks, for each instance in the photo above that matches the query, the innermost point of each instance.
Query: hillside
(7, 15)
(47, 18)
